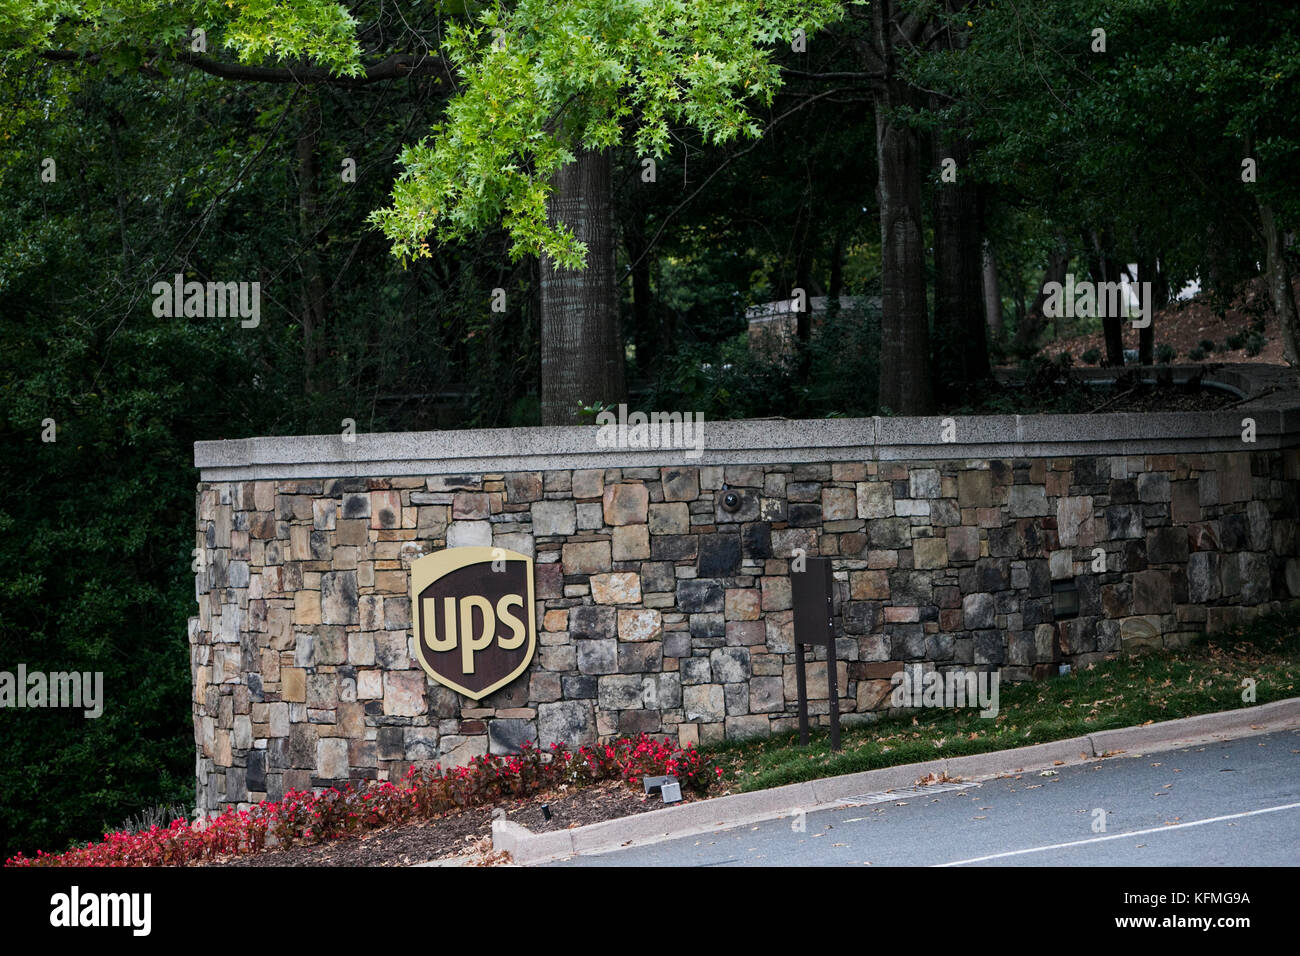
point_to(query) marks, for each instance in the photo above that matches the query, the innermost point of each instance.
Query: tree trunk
(1112, 325)
(1279, 285)
(992, 293)
(1146, 271)
(905, 387)
(1103, 267)
(1030, 326)
(313, 314)
(803, 280)
(961, 355)
(836, 287)
(1159, 284)
(581, 344)
(647, 337)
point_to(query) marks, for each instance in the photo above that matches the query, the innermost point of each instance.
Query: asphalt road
(1232, 803)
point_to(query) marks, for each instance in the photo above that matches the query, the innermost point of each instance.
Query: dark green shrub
(835, 374)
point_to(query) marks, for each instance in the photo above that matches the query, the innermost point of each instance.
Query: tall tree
(558, 84)
(1142, 127)
(905, 382)
(582, 345)
(961, 344)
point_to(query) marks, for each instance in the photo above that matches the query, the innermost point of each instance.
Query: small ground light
(546, 812)
(670, 790)
(651, 784)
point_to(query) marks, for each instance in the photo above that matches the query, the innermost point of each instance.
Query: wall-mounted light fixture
(1065, 599)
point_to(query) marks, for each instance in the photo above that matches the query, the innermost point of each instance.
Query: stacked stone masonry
(659, 611)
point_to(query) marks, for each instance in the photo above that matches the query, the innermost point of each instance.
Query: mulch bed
(1165, 398)
(460, 833)
(1183, 325)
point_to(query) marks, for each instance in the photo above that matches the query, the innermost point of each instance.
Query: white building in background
(773, 325)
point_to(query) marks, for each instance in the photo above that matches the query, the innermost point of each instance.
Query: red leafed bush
(311, 817)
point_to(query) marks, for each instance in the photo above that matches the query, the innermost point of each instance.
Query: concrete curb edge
(722, 813)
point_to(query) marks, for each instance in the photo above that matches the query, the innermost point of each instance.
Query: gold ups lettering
(473, 615)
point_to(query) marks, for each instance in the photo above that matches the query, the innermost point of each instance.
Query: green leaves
(315, 30)
(542, 79)
(121, 36)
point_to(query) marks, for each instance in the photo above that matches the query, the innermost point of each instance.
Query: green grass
(1202, 678)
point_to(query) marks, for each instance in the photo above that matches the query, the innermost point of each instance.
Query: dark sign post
(812, 591)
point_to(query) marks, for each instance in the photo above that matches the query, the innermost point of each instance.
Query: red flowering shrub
(311, 817)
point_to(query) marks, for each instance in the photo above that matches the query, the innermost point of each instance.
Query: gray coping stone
(970, 430)
(1276, 411)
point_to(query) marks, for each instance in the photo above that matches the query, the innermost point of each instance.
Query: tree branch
(871, 77)
(395, 67)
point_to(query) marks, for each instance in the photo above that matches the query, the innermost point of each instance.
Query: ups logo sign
(474, 617)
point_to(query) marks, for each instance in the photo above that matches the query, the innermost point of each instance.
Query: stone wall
(660, 611)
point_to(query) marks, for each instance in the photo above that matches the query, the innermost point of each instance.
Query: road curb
(1236, 723)
(722, 813)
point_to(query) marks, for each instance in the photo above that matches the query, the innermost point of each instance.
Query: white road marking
(1121, 836)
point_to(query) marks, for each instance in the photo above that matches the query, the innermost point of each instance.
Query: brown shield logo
(474, 617)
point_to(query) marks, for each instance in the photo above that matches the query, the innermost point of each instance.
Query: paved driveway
(1232, 803)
